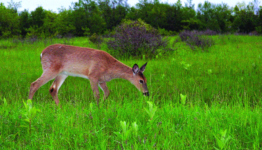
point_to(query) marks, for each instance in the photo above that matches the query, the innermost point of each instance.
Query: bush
(96, 39)
(207, 32)
(136, 38)
(259, 29)
(194, 38)
(164, 32)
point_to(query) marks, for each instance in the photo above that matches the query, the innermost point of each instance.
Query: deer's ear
(142, 69)
(135, 69)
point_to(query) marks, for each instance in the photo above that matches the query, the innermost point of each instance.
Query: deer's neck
(122, 71)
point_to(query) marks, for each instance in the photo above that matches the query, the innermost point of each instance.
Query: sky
(55, 4)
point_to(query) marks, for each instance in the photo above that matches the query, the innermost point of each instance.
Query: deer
(60, 61)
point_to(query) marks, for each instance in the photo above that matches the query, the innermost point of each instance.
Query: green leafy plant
(29, 114)
(163, 76)
(127, 131)
(91, 107)
(209, 71)
(185, 65)
(222, 140)
(135, 129)
(183, 99)
(5, 111)
(151, 110)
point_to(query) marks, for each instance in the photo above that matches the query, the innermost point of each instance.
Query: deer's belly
(74, 74)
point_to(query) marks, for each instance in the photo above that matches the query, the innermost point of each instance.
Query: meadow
(198, 100)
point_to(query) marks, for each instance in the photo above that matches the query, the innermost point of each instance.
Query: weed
(183, 99)
(151, 110)
(127, 131)
(222, 140)
(29, 114)
(185, 65)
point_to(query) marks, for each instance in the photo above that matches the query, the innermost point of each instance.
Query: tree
(223, 17)
(96, 23)
(206, 13)
(37, 17)
(189, 22)
(49, 26)
(245, 20)
(106, 12)
(88, 16)
(113, 12)
(14, 5)
(9, 24)
(36, 20)
(24, 22)
(132, 13)
(64, 23)
(256, 7)
(259, 24)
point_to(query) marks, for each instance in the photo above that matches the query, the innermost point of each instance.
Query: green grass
(222, 109)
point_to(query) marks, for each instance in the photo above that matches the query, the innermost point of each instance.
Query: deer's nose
(146, 93)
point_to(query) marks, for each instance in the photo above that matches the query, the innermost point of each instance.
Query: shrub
(136, 38)
(164, 32)
(96, 39)
(253, 33)
(259, 29)
(194, 38)
(207, 32)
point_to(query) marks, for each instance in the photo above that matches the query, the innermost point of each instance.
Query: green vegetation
(136, 38)
(87, 17)
(198, 100)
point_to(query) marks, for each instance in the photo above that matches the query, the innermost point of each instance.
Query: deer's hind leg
(56, 85)
(105, 89)
(45, 77)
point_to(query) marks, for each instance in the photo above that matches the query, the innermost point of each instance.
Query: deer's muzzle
(146, 93)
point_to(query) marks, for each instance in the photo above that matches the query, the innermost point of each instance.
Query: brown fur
(100, 67)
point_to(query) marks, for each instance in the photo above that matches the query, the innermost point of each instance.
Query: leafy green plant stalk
(127, 131)
(29, 114)
(183, 99)
(151, 110)
(5, 110)
(222, 140)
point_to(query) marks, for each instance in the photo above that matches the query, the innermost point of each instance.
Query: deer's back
(75, 59)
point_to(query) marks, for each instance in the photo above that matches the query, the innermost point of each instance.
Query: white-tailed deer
(60, 61)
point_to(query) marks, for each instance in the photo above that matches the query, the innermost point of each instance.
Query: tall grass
(222, 108)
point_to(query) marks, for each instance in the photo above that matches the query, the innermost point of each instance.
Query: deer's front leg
(94, 86)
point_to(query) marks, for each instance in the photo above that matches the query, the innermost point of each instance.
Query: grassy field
(198, 100)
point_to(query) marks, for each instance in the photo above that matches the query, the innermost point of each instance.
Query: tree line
(86, 17)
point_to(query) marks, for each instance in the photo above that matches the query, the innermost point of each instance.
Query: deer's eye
(141, 81)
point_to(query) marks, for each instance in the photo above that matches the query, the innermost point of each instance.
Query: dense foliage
(86, 17)
(134, 38)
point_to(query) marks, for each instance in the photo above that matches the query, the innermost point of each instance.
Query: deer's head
(139, 80)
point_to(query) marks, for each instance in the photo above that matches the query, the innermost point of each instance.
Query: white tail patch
(41, 55)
